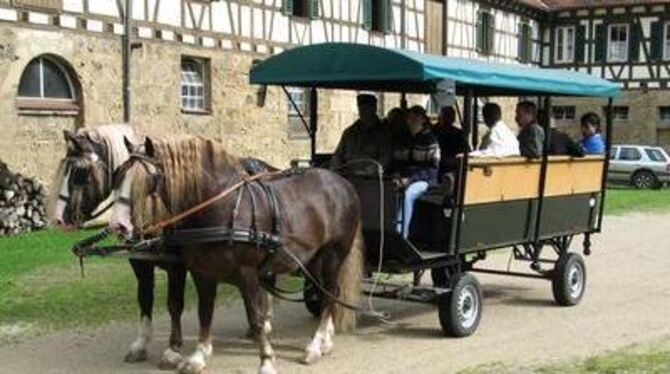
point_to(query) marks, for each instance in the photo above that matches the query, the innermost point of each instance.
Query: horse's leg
(324, 268)
(176, 284)
(197, 362)
(256, 303)
(144, 272)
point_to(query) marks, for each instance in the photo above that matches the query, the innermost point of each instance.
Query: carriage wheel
(312, 298)
(569, 279)
(460, 310)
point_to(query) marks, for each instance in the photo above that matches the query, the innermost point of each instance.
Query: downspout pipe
(126, 41)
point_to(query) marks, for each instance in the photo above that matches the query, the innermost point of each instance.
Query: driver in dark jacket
(369, 138)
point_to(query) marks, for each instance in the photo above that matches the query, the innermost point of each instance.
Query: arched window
(46, 84)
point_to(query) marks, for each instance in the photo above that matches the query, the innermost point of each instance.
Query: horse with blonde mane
(319, 220)
(81, 187)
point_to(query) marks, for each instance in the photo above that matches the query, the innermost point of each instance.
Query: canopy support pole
(313, 120)
(608, 148)
(475, 125)
(463, 171)
(403, 100)
(543, 170)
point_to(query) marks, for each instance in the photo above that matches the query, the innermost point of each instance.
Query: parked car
(642, 166)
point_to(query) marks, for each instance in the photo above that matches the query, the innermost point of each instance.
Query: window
(378, 15)
(563, 113)
(666, 44)
(619, 113)
(617, 45)
(525, 42)
(46, 84)
(485, 33)
(629, 154)
(565, 44)
(655, 155)
(301, 8)
(296, 127)
(613, 153)
(664, 113)
(194, 85)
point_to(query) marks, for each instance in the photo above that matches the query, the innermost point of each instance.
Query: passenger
(367, 139)
(592, 143)
(531, 136)
(450, 139)
(560, 143)
(499, 141)
(396, 120)
(416, 161)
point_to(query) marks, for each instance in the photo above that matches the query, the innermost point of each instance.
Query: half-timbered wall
(227, 35)
(462, 31)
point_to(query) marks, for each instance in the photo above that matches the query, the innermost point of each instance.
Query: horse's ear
(129, 145)
(149, 147)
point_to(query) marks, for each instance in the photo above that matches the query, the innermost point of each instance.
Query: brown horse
(319, 220)
(82, 186)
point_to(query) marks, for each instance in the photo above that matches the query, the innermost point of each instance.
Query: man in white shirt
(499, 141)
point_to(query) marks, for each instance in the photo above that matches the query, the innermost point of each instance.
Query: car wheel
(644, 179)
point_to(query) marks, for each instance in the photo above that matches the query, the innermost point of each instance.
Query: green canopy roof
(364, 67)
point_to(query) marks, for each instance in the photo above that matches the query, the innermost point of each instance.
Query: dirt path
(627, 301)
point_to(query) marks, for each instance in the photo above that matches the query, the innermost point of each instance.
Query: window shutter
(287, 7)
(313, 9)
(634, 42)
(479, 33)
(600, 43)
(580, 43)
(367, 14)
(521, 49)
(490, 32)
(388, 16)
(656, 50)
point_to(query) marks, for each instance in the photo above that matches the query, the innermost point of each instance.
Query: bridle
(156, 175)
(81, 178)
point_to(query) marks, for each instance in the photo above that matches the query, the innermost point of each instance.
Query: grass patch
(650, 358)
(627, 200)
(41, 286)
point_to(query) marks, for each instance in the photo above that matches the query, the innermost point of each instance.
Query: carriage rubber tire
(644, 179)
(460, 310)
(569, 279)
(312, 298)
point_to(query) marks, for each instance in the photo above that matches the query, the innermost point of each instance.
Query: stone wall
(32, 144)
(642, 126)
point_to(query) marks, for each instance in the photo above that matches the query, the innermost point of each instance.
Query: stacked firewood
(22, 203)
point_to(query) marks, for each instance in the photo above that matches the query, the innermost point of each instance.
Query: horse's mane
(191, 165)
(112, 136)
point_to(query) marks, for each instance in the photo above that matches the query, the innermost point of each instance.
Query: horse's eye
(80, 176)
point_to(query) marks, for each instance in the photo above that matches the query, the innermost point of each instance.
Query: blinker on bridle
(81, 176)
(156, 176)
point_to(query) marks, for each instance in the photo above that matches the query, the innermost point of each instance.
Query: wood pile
(22, 203)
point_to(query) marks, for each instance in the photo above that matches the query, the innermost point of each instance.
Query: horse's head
(139, 191)
(83, 180)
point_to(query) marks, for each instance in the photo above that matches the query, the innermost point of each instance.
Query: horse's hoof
(311, 356)
(170, 360)
(136, 356)
(267, 367)
(191, 367)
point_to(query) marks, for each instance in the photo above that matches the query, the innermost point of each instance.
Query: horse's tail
(349, 282)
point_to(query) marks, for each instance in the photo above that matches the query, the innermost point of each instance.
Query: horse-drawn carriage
(223, 224)
(495, 203)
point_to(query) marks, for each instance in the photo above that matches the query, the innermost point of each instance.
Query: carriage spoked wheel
(460, 310)
(312, 297)
(569, 279)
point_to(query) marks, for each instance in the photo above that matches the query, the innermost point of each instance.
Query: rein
(152, 229)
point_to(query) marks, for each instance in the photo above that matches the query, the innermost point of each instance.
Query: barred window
(562, 113)
(300, 97)
(194, 84)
